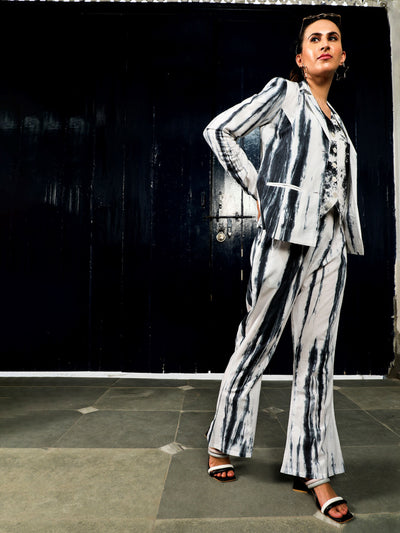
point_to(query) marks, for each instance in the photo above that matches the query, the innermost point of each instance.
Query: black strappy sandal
(214, 470)
(307, 487)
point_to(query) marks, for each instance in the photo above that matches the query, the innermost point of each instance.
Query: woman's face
(322, 51)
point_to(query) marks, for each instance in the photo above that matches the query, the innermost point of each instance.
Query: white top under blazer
(295, 147)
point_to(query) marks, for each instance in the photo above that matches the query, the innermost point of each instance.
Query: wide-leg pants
(307, 284)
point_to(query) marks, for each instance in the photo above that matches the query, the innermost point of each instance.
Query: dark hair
(296, 73)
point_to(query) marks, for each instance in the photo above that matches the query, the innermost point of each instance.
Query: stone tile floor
(120, 455)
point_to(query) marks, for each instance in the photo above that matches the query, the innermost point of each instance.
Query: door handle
(221, 236)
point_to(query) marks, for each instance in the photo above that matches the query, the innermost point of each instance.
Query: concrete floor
(128, 455)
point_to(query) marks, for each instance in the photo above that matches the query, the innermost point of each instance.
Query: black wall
(108, 253)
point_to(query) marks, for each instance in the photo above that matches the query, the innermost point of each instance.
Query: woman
(307, 196)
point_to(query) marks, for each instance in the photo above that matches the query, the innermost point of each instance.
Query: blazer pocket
(283, 185)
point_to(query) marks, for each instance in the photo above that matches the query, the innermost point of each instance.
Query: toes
(223, 475)
(215, 462)
(339, 511)
(342, 509)
(335, 513)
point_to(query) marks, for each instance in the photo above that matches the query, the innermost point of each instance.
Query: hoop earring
(341, 75)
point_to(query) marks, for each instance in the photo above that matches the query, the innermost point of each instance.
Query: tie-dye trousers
(307, 284)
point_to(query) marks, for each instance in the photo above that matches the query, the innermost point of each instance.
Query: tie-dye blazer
(295, 143)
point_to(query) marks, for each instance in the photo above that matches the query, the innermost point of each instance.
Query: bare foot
(219, 461)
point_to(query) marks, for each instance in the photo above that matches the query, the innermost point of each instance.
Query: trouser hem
(234, 452)
(312, 475)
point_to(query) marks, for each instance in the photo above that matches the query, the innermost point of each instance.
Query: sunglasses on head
(334, 17)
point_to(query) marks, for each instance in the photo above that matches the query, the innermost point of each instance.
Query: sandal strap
(330, 504)
(216, 453)
(220, 468)
(312, 483)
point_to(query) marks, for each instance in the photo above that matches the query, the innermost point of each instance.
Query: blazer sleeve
(224, 130)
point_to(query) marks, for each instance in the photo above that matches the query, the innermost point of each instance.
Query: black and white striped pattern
(306, 283)
(295, 146)
(299, 262)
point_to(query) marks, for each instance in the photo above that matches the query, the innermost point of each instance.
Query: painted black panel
(110, 199)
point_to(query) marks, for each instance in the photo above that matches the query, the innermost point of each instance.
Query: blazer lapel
(313, 105)
(343, 127)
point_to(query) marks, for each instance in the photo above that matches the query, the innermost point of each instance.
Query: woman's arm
(224, 130)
